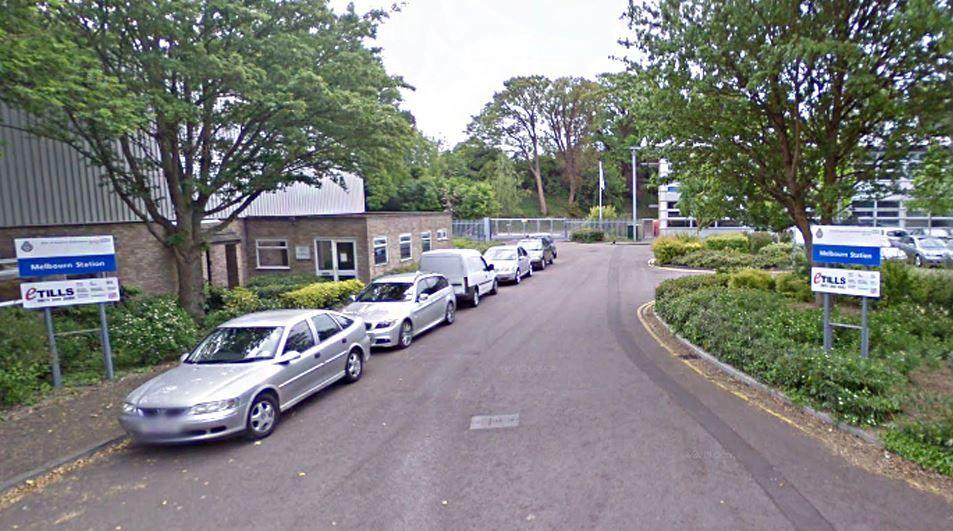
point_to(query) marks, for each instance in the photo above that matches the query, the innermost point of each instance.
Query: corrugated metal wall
(303, 200)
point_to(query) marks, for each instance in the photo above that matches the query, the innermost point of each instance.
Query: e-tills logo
(34, 293)
(836, 281)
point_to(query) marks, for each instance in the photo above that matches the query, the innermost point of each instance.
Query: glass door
(336, 259)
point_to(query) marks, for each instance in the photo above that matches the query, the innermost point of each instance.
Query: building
(47, 189)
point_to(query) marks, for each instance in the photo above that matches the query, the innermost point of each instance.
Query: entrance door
(336, 259)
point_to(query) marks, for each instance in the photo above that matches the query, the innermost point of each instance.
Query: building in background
(47, 189)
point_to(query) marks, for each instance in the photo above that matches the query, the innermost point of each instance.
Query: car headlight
(129, 409)
(385, 324)
(213, 407)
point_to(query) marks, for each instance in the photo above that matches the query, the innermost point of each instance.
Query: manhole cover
(492, 422)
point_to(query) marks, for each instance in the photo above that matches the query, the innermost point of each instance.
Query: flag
(602, 178)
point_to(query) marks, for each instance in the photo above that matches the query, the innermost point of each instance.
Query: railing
(513, 228)
(6, 271)
(4, 304)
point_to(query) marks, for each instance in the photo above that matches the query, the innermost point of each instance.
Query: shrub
(272, 286)
(775, 248)
(794, 285)
(608, 212)
(588, 235)
(751, 278)
(322, 294)
(23, 356)
(929, 445)
(708, 259)
(758, 240)
(479, 245)
(679, 286)
(720, 242)
(667, 248)
(903, 283)
(149, 330)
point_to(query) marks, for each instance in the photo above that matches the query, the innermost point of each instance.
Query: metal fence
(513, 228)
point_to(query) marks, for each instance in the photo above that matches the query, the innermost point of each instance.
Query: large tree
(514, 120)
(799, 100)
(932, 182)
(194, 108)
(570, 109)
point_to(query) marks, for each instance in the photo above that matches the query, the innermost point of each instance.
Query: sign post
(82, 255)
(853, 246)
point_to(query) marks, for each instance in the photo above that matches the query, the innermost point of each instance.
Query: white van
(467, 271)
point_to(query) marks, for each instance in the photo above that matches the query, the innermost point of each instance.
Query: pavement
(612, 432)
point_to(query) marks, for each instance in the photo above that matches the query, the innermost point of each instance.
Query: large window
(300, 338)
(406, 247)
(271, 254)
(426, 243)
(380, 250)
(441, 234)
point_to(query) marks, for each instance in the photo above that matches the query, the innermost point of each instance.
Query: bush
(903, 283)
(322, 294)
(721, 242)
(794, 285)
(679, 286)
(667, 248)
(24, 361)
(608, 212)
(759, 240)
(929, 445)
(708, 259)
(482, 246)
(272, 286)
(588, 235)
(751, 278)
(150, 330)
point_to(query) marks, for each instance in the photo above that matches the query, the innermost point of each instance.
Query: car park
(542, 250)
(510, 262)
(245, 373)
(943, 233)
(396, 308)
(465, 269)
(925, 250)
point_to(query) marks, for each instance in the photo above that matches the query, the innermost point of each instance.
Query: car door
(524, 261)
(298, 376)
(481, 273)
(332, 344)
(435, 303)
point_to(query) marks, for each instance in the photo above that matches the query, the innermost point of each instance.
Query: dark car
(541, 249)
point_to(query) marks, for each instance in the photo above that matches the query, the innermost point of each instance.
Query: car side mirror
(184, 356)
(422, 297)
(490, 267)
(288, 357)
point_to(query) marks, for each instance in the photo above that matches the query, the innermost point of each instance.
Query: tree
(702, 197)
(800, 100)
(467, 199)
(932, 182)
(506, 185)
(513, 120)
(208, 104)
(570, 107)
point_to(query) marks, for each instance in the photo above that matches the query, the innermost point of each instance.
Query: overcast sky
(457, 53)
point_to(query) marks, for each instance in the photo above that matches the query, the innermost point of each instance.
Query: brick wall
(393, 224)
(143, 262)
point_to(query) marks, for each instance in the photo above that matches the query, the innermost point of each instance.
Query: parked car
(396, 308)
(942, 233)
(888, 251)
(925, 250)
(548, 241)
(541, 250)
(894, 234)
(510, 262)
(245, 373)
(465, 269)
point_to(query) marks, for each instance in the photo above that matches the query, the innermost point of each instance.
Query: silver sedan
(510, 262)
(245, 373)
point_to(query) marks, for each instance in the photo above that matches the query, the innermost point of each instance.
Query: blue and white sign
(72, 255)
(849, 245)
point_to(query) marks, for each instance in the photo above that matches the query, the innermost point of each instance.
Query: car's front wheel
(450, 315)
(495, 288)
(918, 261)
(542, 263)
(530, 272)
(406, 334)
(519, 276)
(262, 416)
(355, 366)
(475, 298)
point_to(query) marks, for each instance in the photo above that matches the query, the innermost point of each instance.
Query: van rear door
(448, 265)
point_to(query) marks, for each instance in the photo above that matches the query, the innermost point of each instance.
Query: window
(425, 241)
(476, 263)
(441, 234)
(325, 325)
(271, 254)
(406, 247)
(300, 338)
(440, 284)
(345, 322)
(380, 250)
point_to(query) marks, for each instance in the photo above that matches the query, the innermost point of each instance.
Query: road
(613, 433)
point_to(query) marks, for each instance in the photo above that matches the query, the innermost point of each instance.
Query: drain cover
(492, 422)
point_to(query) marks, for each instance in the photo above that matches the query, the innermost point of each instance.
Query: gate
(515, 228)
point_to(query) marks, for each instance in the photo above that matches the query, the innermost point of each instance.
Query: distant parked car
(942, 233)
(894, 235)
(396, 308)
(510, 262)
(245, 373)
(925, 250)
(541, 250)
(889, 251)
(465, 269)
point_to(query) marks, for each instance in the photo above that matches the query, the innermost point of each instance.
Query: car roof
(504, 247)
(451, 252)
(271, 318)
(404, 277)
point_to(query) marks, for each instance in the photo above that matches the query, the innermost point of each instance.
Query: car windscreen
(237, 345)
(500, 254)
(385, 292)
(931, 243)
(447, 265)
(532, 245)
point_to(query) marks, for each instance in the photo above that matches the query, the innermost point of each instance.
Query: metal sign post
(54, 353)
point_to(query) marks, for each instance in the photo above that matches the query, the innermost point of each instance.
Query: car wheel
(519, 277)
(530, 272)
(355, 366)
(451, 314)
(542, 264)
(475, 298)
(262, 416)
(406, 334)
(495, 288)
(551, 259)
(918, 261)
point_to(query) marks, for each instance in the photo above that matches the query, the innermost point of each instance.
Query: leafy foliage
(322, 294)
(150, 330)
(588, 235)
(608, 212)
(667, 248)
(758, 240)
(482, 246)
(751, 278)
(23, 356)
(723, 242)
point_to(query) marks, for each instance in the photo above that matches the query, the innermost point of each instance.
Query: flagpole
(602, 185)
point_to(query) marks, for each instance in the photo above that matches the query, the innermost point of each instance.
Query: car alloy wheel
(542, 264)
(519, 276)
(355, 366)
(494, 289)
(475, 300)
(262, 416)
(918, 261)
(406, 334)
(451, 314)
(530, 272)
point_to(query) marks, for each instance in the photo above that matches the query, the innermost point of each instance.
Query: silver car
(926, 251)
(510, 262)
(245, 373)
(396, 308)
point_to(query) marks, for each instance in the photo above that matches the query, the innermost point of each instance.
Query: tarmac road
(613, 433)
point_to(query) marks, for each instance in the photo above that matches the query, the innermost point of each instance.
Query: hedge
(23, 356)
(150, 330)
(751, 278)
(667, 248)
(735, 241)
(322, 294)
(759, 240)
(588, 235)
(903, 283)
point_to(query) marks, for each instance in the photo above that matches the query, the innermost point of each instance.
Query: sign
(69, 292)
(302, 252)
(845, 281)
(73, 255)
(845, 244)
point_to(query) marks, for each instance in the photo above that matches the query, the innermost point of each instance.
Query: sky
(457, 53)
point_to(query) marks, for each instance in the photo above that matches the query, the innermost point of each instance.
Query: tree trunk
(188, 268)
(540, 192)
